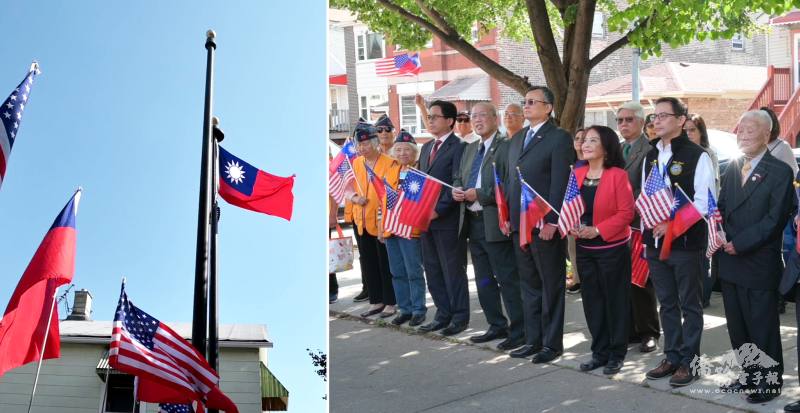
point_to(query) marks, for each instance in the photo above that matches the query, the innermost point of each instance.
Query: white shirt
(476, 206)
(470, 137)
(703, 175)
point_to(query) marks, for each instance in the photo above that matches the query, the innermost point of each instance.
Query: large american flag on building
(179, 408)
(340, 173)
(11, 117)
(145, 347)
(391, 220)
(572, 208)
(716, 235)
(399, 65)
(655, 202)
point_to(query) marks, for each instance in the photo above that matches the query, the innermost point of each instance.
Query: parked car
(725, 146)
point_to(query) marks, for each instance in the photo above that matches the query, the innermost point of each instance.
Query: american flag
(11, 117)
(572, 208)
(391, 222)
(176, 408)
(145, 347)
(419, 195)
(639, 268)
(400, 65)
(500, 199)
(655, 202)
(714, 226)
(340, 173)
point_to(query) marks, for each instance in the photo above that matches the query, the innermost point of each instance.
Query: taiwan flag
(684, 214)
(500, 199)
(533, 209)
(248, 187)
(24, 325)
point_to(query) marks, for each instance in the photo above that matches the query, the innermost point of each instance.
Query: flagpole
(44, 344)
(431, 177)
(691, 201)
(213, 278)
(200, 308)
(347, 159)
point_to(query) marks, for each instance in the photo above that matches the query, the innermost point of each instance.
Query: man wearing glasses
(543, 153)
(444, 251)
(644, 327)
(464, 127)
(678, 280)
(384, 127)
(513, 119)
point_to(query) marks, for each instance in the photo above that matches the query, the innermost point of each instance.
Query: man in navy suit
(444, 251)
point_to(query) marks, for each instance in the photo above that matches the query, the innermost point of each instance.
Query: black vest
(680, 168)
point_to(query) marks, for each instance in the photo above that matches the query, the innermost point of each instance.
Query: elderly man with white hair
(756, 201)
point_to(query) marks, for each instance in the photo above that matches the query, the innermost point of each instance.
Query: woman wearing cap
(464, 128)
(366, 214)
(385, 127)
(405, 255)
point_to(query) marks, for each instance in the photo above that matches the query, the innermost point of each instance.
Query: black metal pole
(200, 310)
(213, 279)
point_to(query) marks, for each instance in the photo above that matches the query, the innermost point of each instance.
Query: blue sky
(118, 110)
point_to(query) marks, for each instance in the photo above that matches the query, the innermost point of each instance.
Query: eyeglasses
(510, 114)
(650, 126)
(382, 129)
(626, 119)
(663, 115)
(434, 117)
(480, 115)
(462, 120)
(531, 102)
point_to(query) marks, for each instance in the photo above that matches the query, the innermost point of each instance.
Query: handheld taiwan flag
(399, 65)
(655, 202)
(11, 117)
(340, 173)
(684, 214)
(572, 208)
(29, 327)
(716, 236)
(377, 183)
(500, 199)
(532, 210)
(640, 270)
(248, 187)
(420, 193)
(391, 222)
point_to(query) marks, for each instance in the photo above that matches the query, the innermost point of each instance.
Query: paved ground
(376, 367)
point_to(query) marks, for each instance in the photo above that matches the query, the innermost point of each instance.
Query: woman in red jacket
(603, 255)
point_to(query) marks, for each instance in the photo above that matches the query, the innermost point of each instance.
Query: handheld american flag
(340, 173)
(500, 199)
(11, 117)
(532, 210)
(573, 206)
(655, 202)
(399, 65)
(716, 236)
(391, 221)
(420, 194)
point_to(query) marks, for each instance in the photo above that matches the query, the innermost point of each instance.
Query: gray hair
(413, 147)
(374, 142)
(489, 107)
(635, 107)
(516, 106)
(760, 115)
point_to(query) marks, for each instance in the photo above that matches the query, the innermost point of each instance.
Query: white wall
(779, 49)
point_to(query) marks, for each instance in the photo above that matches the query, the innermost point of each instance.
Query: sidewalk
(504, 379)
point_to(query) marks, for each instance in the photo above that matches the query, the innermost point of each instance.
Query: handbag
(340, 252)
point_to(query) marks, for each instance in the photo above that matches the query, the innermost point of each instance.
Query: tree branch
(622, 41)
(547, 50)
(437, 18)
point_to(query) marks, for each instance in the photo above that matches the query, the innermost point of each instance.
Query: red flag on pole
(639, 268)
(684, 215)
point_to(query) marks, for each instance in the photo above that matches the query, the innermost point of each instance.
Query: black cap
(364, 132)
(384, 121)
(404, 137)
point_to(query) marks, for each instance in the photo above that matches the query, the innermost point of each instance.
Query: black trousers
(542, 271)
(375, 268)
(444, 256)
(361, 258)
(495, 277)
(752, 317)
(605, 289)
(644, 312)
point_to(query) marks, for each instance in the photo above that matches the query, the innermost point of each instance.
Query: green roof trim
(273, 395)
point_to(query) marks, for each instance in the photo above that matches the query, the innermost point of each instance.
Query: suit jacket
(612, 210)
(633, 166)
(486, 192)
(544, 165)
(753, 219)
(444, 166)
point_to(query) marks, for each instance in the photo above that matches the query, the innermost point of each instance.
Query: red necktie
(434, 151)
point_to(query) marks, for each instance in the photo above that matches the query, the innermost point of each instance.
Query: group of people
(521, 286)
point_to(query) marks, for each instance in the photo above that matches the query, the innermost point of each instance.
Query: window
(363, 107)
(369, 46)
(119, 394)
(409, 115)
(597, 25)
(737, 42)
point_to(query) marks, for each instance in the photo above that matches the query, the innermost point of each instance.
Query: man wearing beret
(384, 127)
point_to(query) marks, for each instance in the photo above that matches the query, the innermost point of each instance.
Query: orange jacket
(366, 217)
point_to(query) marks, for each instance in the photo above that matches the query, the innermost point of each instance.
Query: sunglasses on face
(382, 129)
(531, 102)
(462, 120)
(626, 119)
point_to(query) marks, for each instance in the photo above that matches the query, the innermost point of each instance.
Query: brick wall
(719, 114)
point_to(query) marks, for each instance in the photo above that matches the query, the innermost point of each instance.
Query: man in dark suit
(444, 250)
(543, 153)
(492, 251)
(788, 287)
(756, 201)
(644, 326)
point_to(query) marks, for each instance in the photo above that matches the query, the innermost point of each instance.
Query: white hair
(760, 115)
(489, 106)
(516, 106)
(635, 107)
(413, 147)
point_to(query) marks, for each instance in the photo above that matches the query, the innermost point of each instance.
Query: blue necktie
(476, 165)
(528, 138)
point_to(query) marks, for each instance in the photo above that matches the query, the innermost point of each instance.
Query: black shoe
(362, 296)
(734, 387)
(372, 312)
(432, 326)
(416, 320)
(792, 407)
(648, 345)
(524, 351)
(575, 289)
(763, 396)
(454, 329)
(401, 319)
(592, 364)
(613, 367)
(510, 344)
(545, 355)
(489, 336)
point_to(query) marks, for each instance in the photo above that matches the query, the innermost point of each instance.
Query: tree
(645, 24)
(320, 361)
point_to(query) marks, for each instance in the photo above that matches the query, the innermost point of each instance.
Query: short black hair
(678, 108)
(449, 110)
(549, 97)
(610, 143)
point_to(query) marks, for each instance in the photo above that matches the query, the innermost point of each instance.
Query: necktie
(626, 150)
(745, 170)
(434, 150)
(476, 165)
(528, 138)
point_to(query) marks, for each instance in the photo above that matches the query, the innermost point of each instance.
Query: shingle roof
(468, 88)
